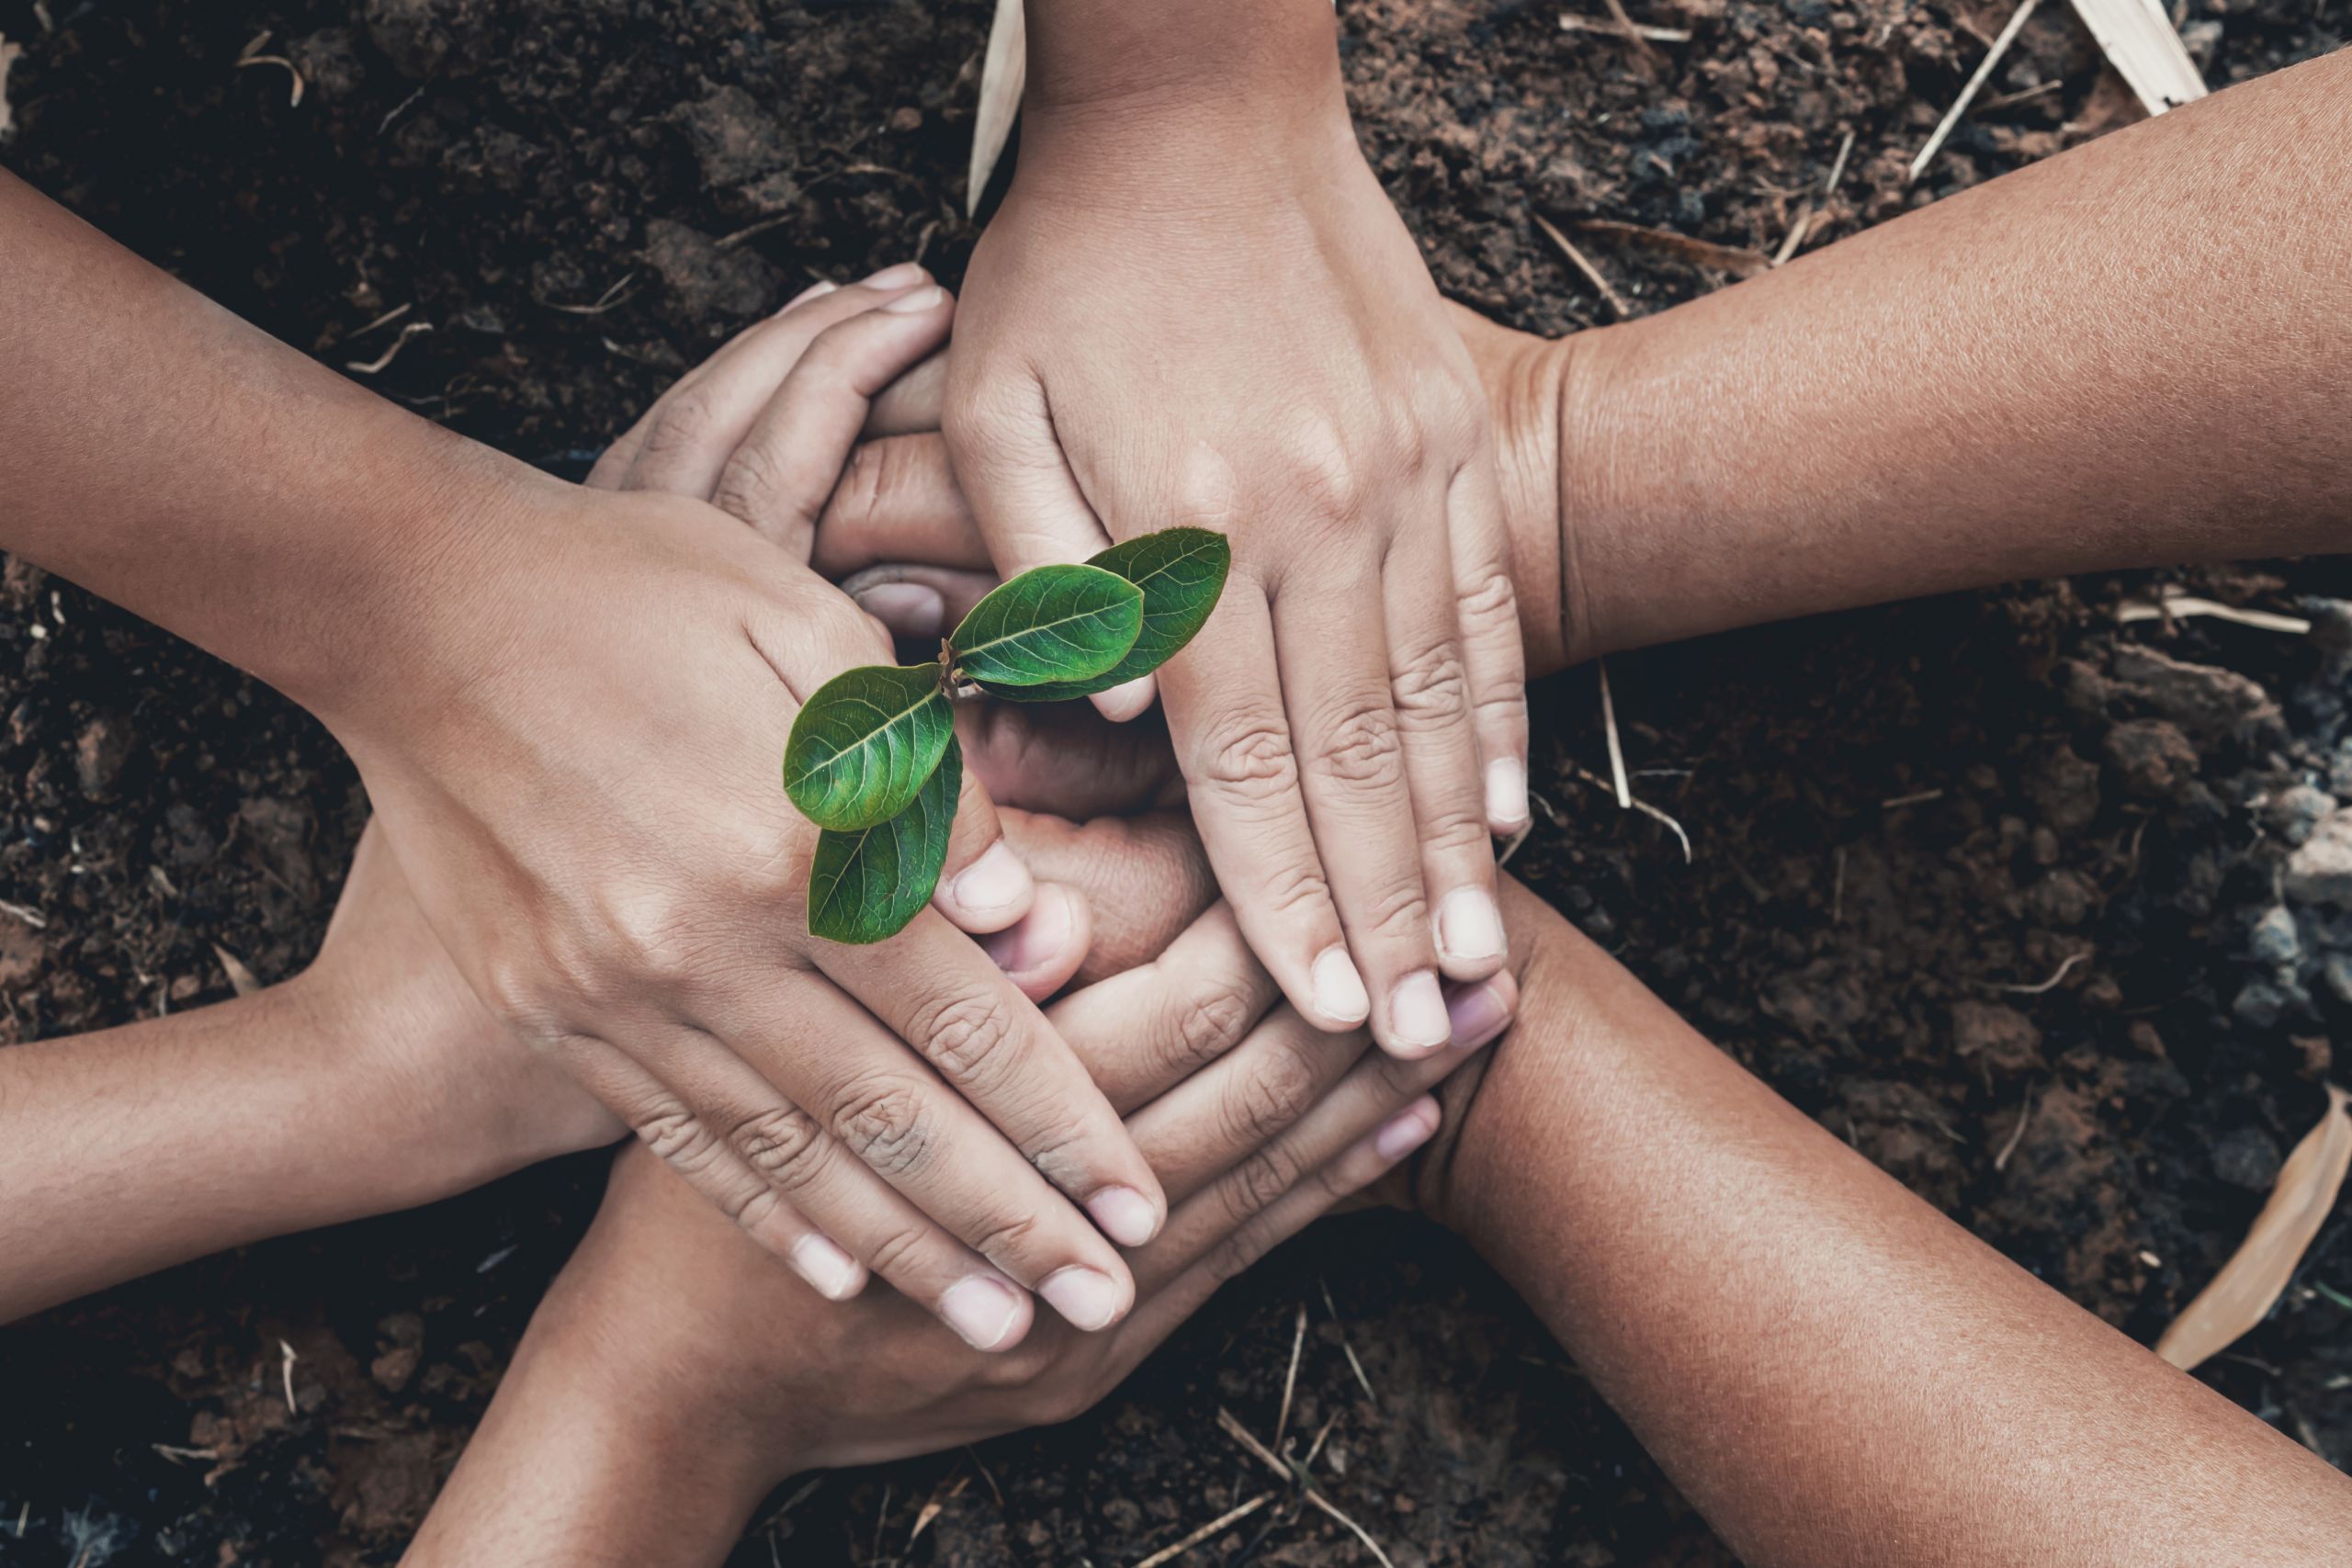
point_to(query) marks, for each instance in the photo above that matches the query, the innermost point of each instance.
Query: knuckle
(969, 1038)
(1322, 473)
(784, 1145)
(1255, 1184)
(1274, 1092)
(1299, 889)
(857, 498)
(1455, 826)
(885, 1122)
(1360, 749)
(753, 485)
(895, 1253)
(1401, 910)
(1254, 763)
(682, 420)
(515, 989)
(677, 1137)
(1432, 689)
(1486, 598)
(1205, 1026)
(1010, 1238)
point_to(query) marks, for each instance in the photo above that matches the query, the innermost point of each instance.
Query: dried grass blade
(2243, 1291)
(1576, 258)
(1004, 70)
(1208, 1531)
(1975, 83)
(2140, 41)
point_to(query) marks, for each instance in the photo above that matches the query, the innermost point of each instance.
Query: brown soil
(499, 167)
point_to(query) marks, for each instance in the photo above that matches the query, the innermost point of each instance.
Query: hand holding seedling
(873, 759)
(1197, 306)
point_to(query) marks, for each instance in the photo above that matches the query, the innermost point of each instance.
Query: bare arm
(2138, 352)
(1833, 1371)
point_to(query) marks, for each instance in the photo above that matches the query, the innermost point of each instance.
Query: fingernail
(1124, 702)
(1038, 938)
(1125, 1216)
(929, 299)
(1417, 1018)
(1477, 1014)
(1468, 925)
(980, 1309)
(1506, 793)
(1339, 995)
(1089, 1299)
(996, 881)
(815, 291)
(897, 275)
(1403, 1133)
(909, 609)
(832, 1271)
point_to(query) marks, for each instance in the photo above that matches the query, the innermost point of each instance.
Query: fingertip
(989, 895)
(988, 1313)
(1398, 1137)
(1417, 1023)
(1131, 700)
(830, 1273)
(1507, 807)
(1125, 1216)
(910, 611)
(1042, 949)
(1340, 997)
(1480, 1012)
(816, 290)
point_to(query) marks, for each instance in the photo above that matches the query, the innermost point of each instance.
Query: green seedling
(873, 759)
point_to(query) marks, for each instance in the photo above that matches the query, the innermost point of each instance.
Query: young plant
(873, 759)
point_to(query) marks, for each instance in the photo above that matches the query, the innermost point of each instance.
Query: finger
(915, 401)
(697, 1151)
(1430, 694)
(1044, 949)
(807, 1160)
(915, 603)
(1244, 1099)
(1332, 641)
(783, 471)
(897, 501)
(1142, 1033)
(1372, 1092)
(1233, 741)
(1059, 758)
(1145, 875)
(983, 886)
(1372, 1156)
(686, 439)
(1493, 660)
(1029, 504)
(1018, 1081)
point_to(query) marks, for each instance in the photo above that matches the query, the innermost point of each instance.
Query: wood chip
(240, 979)
(1208, 1531)
(1737, 260)
(1576, 258)
(2140, 41)
(2254, 1278)
(9, 52)
(1004, 73)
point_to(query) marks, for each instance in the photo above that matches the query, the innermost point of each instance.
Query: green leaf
(864, 744)
(867, 885)
(1056, 623)
(1182, 573)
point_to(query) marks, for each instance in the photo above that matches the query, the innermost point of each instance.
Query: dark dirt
(582, 199)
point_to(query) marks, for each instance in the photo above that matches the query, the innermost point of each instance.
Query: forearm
(1180, 57)
(132, 1149)
(1829, 1369)
(2138, 352)
(166, 455)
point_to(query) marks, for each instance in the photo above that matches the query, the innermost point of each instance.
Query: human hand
(576, 763)
(1226, 325)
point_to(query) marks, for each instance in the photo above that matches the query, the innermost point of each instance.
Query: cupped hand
(579, 772)
(1226, 325)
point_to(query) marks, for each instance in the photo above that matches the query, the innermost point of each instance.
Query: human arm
(568, 707)
(1196, 306)
(1832, 1371)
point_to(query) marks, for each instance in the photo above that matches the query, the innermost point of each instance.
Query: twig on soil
(1801, 229)
(385, 320)
(1609, 732)
(26, 913)
(1325, 1286)
(1299, 1478)
(253, 56)
(2017, 1135)
(1627, 30)
(1644, 807)
(2181, 606)
(286, 1369)
(1208, 1531)
(1921, 798)
(1576, 258)
(1643, 32)
(2023, 94)
(611, 298)
(932, 1508)
(397, 110)
(2050, 983)
(371, 367)
(1739, 261)
(1316, 1447)
(240, 979)
(1290, 1379)
(2009, 35)
(1838, 888)
(881, 1519)
(176, 1454)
